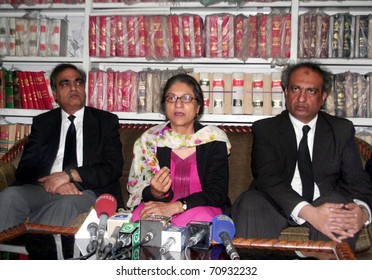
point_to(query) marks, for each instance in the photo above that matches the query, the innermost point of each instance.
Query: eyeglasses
(186, 98)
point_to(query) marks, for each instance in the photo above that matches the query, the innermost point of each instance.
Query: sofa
(240, 172)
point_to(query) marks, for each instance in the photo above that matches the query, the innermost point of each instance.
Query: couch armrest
(9, 163)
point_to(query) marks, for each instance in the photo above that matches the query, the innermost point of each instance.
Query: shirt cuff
(296, 211)
(361, 203)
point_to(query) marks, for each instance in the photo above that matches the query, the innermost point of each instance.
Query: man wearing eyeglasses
(72, 156)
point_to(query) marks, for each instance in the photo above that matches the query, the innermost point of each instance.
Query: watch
(184, 205)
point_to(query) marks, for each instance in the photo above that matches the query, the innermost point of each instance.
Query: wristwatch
(184, 205)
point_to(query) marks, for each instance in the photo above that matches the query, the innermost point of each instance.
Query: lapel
(54, 132)
(287, 139)
(323, 142)
(91, 136)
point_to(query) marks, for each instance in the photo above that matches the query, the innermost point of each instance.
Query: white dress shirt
(78, 121)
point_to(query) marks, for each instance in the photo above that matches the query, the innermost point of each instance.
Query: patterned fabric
(145, 164)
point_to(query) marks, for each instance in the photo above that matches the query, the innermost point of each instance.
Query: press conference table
(258, 249)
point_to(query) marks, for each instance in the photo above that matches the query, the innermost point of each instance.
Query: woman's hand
(161, 182)
(161, 208)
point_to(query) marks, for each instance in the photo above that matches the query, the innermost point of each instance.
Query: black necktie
(70, 158)
(305, 167)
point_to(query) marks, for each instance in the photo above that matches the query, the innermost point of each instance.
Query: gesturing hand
(161, 182)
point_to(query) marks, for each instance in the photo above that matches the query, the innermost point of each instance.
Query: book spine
(2, 88)
(257, 94)
(120, 36)
(43, 37)
(35, 98)
(212, 36)
(186, 33)
(205, 85)
(174, 31)
(239, 42)
(100, 90)
(262, 36)
(277, 24)
(276, 93)
(102, 36)
(110, 91)
(363, 97)
(218, 88)
(198, 36)
(12, 37)
(92, 92)
(33, 32)
(287, 35)
(118, 91)
(9, 97)
(252, 36)
(340, 102)
(349, 91)
(92, 35)
(312, 39)
(16, 91)
(142, 88)
(248, 98)
(237, 93)
(141, 40)
(347, 40)
(4, 35)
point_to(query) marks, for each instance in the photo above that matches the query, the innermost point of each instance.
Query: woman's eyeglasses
(186, 98)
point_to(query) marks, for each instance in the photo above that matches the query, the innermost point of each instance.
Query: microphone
(173, 239)
(93, 243)
(198, 235)
(151, 228)
(223, 229)
(105, 207)
(111, 242)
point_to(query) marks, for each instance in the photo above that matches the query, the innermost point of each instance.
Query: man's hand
(161, 208)
(332, 219)
(68, 189)
(356, 217)
(53, 181)
(161, 182)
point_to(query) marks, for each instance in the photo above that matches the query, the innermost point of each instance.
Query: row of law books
(351, 95)
(340, 35)
(224, 93)
(25, 90)
(33, 36)
(161, 37)
(140, 92)
(11, 134)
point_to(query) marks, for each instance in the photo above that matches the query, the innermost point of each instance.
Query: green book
(9, 98)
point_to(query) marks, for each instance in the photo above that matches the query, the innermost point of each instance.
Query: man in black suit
(45, 192)
(340, 192)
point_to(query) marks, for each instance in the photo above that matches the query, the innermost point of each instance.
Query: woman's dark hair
(190, 81)
(62, 67)
(325, 74)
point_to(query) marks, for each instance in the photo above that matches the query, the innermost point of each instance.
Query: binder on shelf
(237, 93)
(218, 88)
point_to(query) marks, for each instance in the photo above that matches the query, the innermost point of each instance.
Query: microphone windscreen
(221, 223)
(106, 203)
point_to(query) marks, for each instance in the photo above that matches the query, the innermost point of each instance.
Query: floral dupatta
(145, 164)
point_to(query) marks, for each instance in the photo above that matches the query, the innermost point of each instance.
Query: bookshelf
(78, 16)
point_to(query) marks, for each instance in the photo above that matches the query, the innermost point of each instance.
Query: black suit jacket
(102, 156)
(213, 171)
(336, 161)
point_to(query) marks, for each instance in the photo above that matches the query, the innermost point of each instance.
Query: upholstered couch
(240, 172)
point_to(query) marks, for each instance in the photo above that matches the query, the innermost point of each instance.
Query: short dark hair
(190, 81)
(62, 67)
(325, 74)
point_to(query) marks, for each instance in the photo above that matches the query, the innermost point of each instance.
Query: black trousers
(256, 215)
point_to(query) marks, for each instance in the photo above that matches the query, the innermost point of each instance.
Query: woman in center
(180, 168)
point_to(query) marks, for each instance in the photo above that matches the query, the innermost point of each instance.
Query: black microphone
(223, 229)
(198, 235)
(93, 243)
(105, 207)
(111, 242)
(151, 228)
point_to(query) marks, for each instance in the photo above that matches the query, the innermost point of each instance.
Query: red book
(277, 27)
(287, 35)
(227, 36)
(141, 36)
(211, 34)
(198, 35)
(30, 99)
(174, 31)
(100, 90)
(119, 36)
(126, 93)
(35, 98)
(92, 35)
(102, 36)
(118, 91)
(112, 36)
(131, 36)
(40, 83)
(110, 91)
(240, 36)
(92, 100)
(262, 36)
(186, 36)
(252, 35)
